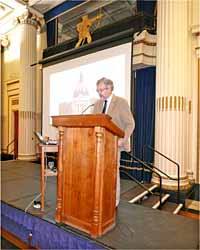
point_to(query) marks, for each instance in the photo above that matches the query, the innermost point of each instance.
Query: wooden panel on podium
(87, 169)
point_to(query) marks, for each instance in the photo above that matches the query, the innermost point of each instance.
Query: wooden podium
(87, 170)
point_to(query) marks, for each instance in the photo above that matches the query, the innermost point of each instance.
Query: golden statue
(83, 29)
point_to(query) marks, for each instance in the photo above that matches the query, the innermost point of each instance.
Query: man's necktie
(104, 106)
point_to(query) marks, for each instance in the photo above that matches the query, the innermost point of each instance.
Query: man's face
(104, 91)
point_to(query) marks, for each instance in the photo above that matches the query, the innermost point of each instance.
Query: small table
(45, 172)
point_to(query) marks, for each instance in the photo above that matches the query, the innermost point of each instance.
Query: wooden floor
(137, 227)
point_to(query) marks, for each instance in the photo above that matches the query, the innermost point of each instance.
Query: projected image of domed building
(81, 99)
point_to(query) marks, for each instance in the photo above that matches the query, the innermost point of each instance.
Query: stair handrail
(171, 178)
(135, 180)
(9, 144)
(148, 167)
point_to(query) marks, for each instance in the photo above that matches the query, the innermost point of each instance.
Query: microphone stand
(87, 108)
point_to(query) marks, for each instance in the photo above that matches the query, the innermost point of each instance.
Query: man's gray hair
(106, 81)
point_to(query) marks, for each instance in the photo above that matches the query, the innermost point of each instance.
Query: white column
(173, 91)
(41, 45)
(27, 98)
(195, 123)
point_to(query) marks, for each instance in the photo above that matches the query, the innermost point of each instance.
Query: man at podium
(118, 108)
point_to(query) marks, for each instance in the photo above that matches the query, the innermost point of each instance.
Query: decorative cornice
(143, 41)
(144, 49)
(144, 54)
(144, 37)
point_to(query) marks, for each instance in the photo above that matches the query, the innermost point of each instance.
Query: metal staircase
(150, 194)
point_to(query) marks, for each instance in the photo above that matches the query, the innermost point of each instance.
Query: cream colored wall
(10, 87)
(11, 56)
(10, 84)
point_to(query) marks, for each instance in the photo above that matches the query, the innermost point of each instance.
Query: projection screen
(70, 86)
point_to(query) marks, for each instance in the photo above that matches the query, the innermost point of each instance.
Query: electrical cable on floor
(38, 196)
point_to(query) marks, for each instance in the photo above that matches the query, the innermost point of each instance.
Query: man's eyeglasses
(101, 90)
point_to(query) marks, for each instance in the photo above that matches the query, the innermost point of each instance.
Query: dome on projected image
(81, 89)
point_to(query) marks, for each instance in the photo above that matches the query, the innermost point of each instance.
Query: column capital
(4, 41)
(27, 17)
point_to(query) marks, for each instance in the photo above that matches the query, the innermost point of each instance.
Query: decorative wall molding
(12, 87)
(144, 50)
(15, 102)
(173, 103)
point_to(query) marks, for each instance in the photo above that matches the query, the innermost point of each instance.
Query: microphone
(34, 64)
(91, 105)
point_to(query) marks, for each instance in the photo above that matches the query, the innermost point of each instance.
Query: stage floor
(137, 227)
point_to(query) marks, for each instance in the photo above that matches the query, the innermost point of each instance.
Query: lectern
(87, 170)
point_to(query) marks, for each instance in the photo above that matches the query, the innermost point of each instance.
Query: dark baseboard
(7, 157)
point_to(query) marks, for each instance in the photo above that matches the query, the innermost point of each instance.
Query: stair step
(136, 193)
(154, 200)
(192, 204)
(172, 207)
